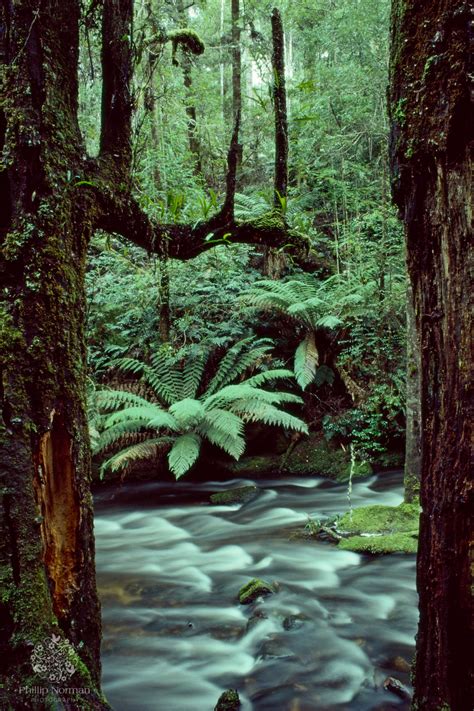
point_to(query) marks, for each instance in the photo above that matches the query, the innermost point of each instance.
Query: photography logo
(52, 658)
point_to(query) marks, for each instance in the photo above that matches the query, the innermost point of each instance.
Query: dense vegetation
(337, 317)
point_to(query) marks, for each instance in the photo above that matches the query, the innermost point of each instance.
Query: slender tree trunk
(432, 123)
(411, 479)
(186, 66)
(236, 69)
(163, 301)
(47, 546)
(274, 260)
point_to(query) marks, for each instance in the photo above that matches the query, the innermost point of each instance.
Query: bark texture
(47, 547)
(274, 260)
(412, 474)
(432, 122)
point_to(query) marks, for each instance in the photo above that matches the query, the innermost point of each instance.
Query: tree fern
(183, 418)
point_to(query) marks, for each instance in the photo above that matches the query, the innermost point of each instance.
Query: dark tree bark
(236, 69)
(274, 260)
(47, 546)
(186, 65)
(412, 473)
(432, 123)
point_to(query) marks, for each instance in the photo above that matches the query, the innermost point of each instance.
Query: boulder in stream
(228, 701)
(254, 589)
(240, 495)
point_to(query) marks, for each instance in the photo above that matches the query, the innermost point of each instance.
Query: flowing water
(175, 636)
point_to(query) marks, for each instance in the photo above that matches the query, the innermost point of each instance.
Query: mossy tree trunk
(54, 197)
(432, 125)
(47, 545)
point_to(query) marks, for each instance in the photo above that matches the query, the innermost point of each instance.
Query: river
(169, 568)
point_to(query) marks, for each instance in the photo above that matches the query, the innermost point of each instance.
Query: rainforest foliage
(160, 330)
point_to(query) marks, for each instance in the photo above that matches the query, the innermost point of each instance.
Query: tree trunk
(236, 70)
(411, 479)
(186, 65)
(274, 261)
(47, 546)
(432, 124)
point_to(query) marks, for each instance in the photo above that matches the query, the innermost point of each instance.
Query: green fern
(181, 414)
(309, 304)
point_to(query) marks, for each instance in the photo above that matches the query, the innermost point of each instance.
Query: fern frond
(109, 400)
(267, 376)
(233, 444)
(237, 360)
(184, 453)
(270, 415)
(306, 361)
(188, 412)
(192, 375)
(144, 413)
(136, 452)
(113, 435)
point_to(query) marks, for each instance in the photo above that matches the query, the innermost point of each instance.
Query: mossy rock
(314, 455)
(240, 495)
(253, 590)
(381, 519)
(228, 701)
(381, 545)
(391, 529)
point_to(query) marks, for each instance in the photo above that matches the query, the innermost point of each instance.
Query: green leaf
(184, 453)
(306, 361)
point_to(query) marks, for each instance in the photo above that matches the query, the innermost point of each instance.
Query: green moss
(394, 529)
(381, 519)
(234, 496)
(254, 589)
(315, 456)
(188, 40)
(380, 545)
(271, 220)
(228, 701)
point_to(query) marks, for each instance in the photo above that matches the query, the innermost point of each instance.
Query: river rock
(254, 589)
(240, 495)
(294, 622)
(397, 688)
(228, 701)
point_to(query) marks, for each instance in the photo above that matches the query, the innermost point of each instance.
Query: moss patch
(393, 529)
(254, 589)
(381, 519)
(228, 701)
(313, 456)
(380, 545)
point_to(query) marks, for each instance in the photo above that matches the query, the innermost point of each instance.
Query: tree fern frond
(225, 421)
(306, 361)
(114, 434)
(134, 453)
(108, 400)
(329, 321)
(237, 360)
(192, 375)
(271, 415)
(184, 453)
(143, 413)
(188, 412)
(233, 444)
(267, 376)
